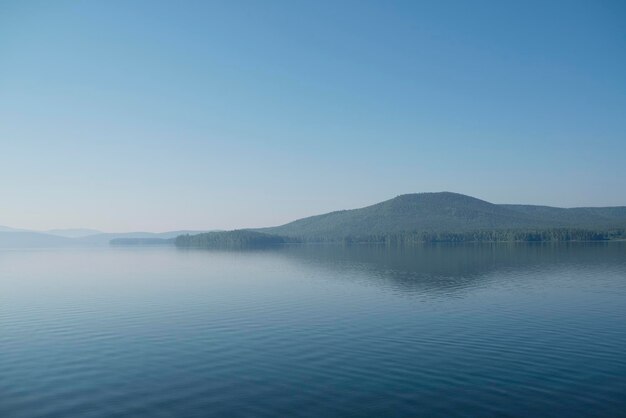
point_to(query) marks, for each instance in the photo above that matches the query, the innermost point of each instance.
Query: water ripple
(324, 332)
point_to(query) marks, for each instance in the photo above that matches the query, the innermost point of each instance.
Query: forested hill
(430, 217)
(445, 212)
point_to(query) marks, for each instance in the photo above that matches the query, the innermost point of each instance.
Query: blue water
(318, 331)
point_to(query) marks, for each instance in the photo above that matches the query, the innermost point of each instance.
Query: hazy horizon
(150, 116)
(82, 231)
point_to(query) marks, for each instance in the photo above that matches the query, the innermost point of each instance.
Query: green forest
(229, 239)
(252, 239)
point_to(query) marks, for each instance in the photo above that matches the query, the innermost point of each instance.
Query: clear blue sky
(146, 115)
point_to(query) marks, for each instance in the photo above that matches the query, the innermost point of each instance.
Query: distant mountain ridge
(20, 238)
(105, 238)
(73, 232)
(9, 229)
(29, 239)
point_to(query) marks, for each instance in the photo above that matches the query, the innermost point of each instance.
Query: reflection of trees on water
(448, 267)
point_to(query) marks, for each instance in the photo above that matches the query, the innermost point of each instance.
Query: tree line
(253, 239)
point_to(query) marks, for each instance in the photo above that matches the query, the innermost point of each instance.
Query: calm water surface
(318, 331)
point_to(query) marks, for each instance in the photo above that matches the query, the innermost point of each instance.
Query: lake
(507, 330)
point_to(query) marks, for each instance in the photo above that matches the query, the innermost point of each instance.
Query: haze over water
(473, 330)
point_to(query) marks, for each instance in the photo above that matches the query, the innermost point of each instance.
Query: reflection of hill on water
(449, 267)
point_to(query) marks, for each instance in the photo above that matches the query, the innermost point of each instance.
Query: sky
(164, 115)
